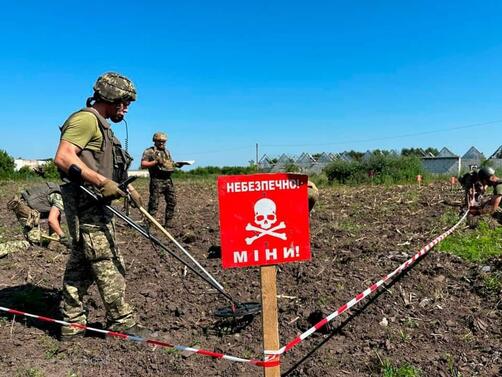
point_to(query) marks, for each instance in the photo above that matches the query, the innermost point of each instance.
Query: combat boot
(134, 330)
(70, 333)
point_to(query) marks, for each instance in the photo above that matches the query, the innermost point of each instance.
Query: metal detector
(236, 310)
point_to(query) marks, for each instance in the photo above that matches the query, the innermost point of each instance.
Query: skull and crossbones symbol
(265, 216)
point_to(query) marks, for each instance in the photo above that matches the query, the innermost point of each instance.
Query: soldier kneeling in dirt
(491, 206)
(41, 201)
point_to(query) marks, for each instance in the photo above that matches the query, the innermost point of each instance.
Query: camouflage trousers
(29, 219)
(163, 187)
(94, 258)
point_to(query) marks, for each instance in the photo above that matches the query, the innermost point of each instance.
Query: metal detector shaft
(164, 230)
(144, 233)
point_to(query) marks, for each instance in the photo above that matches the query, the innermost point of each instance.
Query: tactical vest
(37, 197)
(111, 161)
(161, 172)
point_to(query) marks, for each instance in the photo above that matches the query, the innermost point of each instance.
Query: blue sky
(292, 76)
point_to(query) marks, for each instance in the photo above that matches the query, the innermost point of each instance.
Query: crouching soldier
(39, 202)
(489, 206)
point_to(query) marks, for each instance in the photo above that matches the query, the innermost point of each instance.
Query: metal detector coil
(239, 310)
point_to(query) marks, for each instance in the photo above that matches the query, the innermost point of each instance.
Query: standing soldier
(41, 201)
(160, 165)
(89, 154)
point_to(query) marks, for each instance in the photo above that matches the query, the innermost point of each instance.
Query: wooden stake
(270, 322)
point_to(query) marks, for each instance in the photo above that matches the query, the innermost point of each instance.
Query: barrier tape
(274, 355)
(272, 358)
(153, 342)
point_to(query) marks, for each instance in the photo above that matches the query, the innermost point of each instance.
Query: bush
(50, 170)
(215, 170)
(6, 165)
(380, 169)
(26, 172)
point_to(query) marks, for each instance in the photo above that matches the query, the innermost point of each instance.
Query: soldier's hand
(110, 190)
(159, 160)
(135, 197)
(64, 240)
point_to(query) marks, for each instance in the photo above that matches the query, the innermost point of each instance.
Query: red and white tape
(153, 342)
(274, 355)
(272, 358)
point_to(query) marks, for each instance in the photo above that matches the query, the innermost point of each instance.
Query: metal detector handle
(123, 185)
(149, 236)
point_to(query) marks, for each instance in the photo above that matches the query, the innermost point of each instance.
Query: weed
(322, 300)
(349, 226)
(476, 245)
(452, 369)
(411, 323)
(468, 337)
(29, 372)
(449, 218)
(404, 370)
(50, 346)
(493, 283)
(405, 337)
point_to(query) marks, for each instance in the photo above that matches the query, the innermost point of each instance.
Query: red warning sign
(264, 219)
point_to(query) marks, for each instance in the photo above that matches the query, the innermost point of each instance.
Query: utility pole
(256, 160)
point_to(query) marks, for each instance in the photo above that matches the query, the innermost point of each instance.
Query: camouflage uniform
(35, 203)
(94, 254)
(94, 258)
(161, 182)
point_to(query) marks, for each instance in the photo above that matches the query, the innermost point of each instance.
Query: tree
(7, 166)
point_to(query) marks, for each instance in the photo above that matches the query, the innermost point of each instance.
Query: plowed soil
(437, 316)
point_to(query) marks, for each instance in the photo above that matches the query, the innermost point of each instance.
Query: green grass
(475, 245)
(50, 346)
(493, 283)
(29, 372)
(404, 370)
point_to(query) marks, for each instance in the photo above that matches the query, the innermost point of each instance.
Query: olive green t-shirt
(497, 189)
(82, 130)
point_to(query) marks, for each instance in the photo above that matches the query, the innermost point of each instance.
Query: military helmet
(113, 87)
(159, 136)
(486, 172)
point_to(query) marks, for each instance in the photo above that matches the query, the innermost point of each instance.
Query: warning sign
(264, 219)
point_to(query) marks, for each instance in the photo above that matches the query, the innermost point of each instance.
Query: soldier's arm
(492, 205)
(148, 160)
(489, 207)
(145, 164)
(67, 155)
(53, 220)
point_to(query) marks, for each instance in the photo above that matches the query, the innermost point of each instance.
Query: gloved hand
(169, 165)
(135, 197)
(159, 161)
(110, 190)
(65, 241)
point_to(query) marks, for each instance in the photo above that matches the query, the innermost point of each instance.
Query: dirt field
(437, 317)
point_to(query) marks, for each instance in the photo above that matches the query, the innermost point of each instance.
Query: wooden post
(270, 322)
(419, 180)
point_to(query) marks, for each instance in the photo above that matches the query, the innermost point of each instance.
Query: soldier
(160, 165)
(89, 154)
(39, 202)
(491, 206)
(313, 194)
